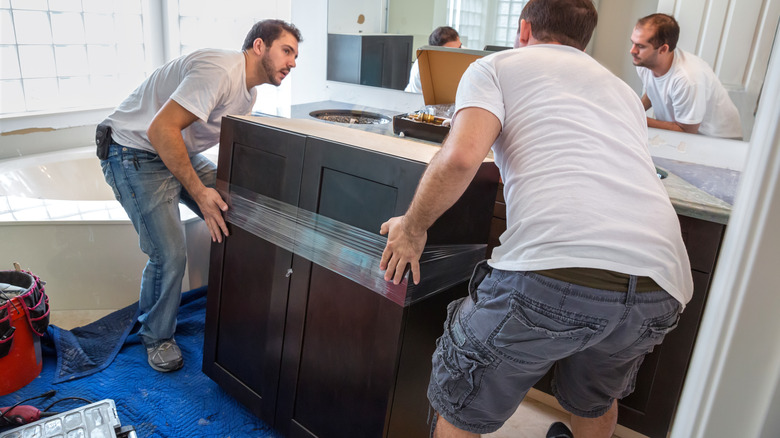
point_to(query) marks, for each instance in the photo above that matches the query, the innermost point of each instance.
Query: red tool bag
(24, 316)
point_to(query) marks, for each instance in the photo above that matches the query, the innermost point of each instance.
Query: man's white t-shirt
(414, 85)
(690, 93)
(209, 83)
(580, 186)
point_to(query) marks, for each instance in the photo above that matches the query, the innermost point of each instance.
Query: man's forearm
(441, 186)
(672, 126)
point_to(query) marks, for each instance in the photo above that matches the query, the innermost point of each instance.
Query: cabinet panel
(249, 330)
(246, 302)
(350, 343)
(702, 239)
(347, 344)
(377, 60)
(355, 200)
(386, 61)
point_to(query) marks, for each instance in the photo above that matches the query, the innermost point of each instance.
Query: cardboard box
(440, 71)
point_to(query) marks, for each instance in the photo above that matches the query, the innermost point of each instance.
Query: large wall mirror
(734, 39)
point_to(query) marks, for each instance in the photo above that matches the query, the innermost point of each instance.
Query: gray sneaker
(165, 356)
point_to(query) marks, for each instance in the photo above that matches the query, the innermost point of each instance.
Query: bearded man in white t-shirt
(681, 88)
(150, 154)
(591, 272)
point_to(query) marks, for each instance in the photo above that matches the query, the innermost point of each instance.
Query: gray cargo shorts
(511, 329)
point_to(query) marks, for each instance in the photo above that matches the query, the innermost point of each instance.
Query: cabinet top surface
(396, 146)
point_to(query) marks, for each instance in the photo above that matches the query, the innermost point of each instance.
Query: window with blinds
(70, 54)
(507, 20)
(481, 23)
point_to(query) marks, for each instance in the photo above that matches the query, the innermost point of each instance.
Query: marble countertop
(304, 111)
(697, 191)
(690, 200)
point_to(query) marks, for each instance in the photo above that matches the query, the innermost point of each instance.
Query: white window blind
(69, 54)
(507, 21)
(481, 23)
(202, 25)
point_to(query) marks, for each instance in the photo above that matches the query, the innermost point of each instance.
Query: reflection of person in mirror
(153, 161)
(591, 272)
(681, 88)
(443, 36)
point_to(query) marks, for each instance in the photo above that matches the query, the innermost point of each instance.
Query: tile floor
(531, 420)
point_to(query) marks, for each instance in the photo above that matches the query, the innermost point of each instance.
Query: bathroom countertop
(690, 200)
(697, 191)
(303, 111)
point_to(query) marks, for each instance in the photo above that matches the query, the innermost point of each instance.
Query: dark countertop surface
(698, 191)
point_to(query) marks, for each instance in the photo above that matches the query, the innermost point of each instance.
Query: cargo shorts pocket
(651, 333)
(458, 363)
(534, 333)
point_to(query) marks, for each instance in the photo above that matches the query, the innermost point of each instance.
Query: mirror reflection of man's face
(642, 51)
(279, 59)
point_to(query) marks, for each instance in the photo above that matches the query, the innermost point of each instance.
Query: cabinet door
(342, 343)
(386, 60)
(248, 281)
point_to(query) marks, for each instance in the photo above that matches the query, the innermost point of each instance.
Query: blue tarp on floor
(185, 403)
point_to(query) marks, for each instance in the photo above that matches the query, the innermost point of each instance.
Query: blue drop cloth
(106, 360)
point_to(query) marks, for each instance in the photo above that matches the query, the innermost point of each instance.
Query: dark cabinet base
(307, 350)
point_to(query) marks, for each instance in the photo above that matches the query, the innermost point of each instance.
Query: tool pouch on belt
(102, 140)
(33, 300)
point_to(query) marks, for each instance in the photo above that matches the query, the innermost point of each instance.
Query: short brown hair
(667, 31)
(442, 35)
(569, 22)
(268, 31)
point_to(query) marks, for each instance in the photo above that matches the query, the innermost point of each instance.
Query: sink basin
(350, 117)
(661, 173)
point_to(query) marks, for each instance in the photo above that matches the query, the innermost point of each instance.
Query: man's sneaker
(559, 430)
(165, 356)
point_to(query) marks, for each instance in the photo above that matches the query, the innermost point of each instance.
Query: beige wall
(611, 41)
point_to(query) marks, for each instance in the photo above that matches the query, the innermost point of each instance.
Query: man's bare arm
(673, 126)
(448, 175)
(165, 135)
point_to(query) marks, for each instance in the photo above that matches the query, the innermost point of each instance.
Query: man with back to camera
(443, 36)
(151, 159)
(681, 88)
(591, 272)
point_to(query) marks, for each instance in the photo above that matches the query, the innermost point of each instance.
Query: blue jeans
(150, 195)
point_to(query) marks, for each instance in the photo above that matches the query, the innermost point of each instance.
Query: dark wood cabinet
(379, 60)
(309, 351)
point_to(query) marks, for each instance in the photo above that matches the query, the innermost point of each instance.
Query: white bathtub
(59, 220)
